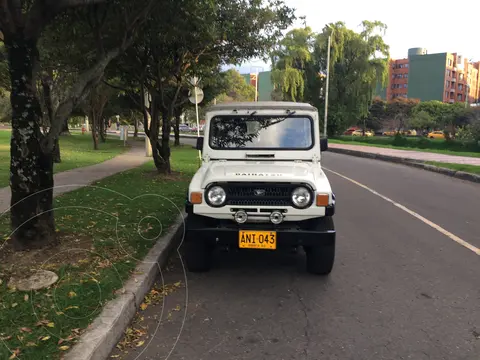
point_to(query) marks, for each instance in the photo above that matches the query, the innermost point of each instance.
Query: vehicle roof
(263, 105)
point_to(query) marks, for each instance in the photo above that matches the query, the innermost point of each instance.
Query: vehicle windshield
(261, 132)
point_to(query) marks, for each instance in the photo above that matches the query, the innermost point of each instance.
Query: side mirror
(324, 144)
(199, 143)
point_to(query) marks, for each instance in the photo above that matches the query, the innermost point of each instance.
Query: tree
(31, 167)
(94, 105)
(235, 88)
(358, 62)
(434, 108)
(289, 62)
(376, 114)
(422, 120)
(196, 35)
(399, 111)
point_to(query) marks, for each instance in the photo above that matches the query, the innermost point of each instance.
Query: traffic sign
(199, 93)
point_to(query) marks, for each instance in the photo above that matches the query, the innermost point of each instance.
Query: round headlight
(301, 197)
(216, 196)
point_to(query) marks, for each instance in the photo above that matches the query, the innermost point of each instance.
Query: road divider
(437, 227)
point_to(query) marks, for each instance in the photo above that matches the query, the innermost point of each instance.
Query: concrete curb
(409, 162)
(108, 328)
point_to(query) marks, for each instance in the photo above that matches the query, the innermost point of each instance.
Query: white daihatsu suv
(261, 185)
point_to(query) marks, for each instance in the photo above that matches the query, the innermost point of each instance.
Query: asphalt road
(400, 288)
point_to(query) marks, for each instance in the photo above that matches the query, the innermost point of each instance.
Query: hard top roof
(263, 105)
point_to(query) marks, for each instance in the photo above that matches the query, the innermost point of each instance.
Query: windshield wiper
(282, 119)
(250, 116)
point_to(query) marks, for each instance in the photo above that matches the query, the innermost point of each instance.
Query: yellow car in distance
(436, 135)
(360, 133)
(401, 132)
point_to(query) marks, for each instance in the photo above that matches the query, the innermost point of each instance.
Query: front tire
(320, 258)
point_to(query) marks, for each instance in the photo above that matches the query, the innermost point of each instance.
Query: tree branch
(128, 92)
(88, 80)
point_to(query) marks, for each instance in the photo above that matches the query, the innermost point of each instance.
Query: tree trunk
(94, 130)
(135, 125)
(57, 159)
(103, 130)
(31, 179)
(153, 134)
(146, 117)
(165, 143)
(161, 154)
(176, 128)
(65, 130)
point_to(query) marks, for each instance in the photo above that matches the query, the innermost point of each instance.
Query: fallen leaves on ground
(15, 354)
(132, 338)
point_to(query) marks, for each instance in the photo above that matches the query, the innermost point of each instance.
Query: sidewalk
(407, 154)
(74, 179)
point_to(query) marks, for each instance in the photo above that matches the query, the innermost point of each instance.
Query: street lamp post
(467, 86)
(257, 74)
(327, 84)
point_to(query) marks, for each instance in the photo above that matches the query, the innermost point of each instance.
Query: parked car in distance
(402, 132)
(349, 131)
(389, 133)
(184, 128)
(359, 132)
(436, 135)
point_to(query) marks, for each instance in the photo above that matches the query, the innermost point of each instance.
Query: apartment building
(398, 79)
(447, 77)
(265, 85)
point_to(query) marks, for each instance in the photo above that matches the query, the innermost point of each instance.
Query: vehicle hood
(265, 171)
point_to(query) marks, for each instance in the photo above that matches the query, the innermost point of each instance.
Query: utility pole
(257, 77)
(327, 84)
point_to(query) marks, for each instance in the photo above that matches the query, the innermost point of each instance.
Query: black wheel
(320, 259)
(198, 255)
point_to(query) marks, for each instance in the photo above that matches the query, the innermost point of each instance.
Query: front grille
(259, 194)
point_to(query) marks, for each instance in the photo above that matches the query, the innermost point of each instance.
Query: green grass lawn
(76, 151)
(104, 231)
(474, 169)
(419, 144)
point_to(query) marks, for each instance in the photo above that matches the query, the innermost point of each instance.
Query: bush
(465, 135)
(399, 140)
(423, 143)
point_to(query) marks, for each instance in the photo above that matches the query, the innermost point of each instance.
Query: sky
(439, 26)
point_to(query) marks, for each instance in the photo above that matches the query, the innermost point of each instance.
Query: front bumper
(223, 232)
(227, 212)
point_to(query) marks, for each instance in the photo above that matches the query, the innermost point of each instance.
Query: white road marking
(413, 213)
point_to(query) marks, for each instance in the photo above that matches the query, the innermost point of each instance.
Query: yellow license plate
(257, 240)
